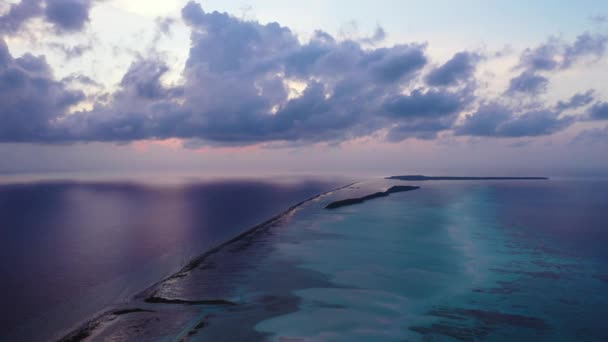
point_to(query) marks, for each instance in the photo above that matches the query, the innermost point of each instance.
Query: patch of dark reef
(83, 333)
(161, 300)
(418, 178)
(601, 277)
(201, 325)
(544, 274)
(128, 311)
(351, 201)
(456, 323)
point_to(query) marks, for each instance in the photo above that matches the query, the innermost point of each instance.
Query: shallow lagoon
(457, 260)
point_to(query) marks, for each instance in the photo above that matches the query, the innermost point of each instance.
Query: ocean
(451, 261)
(72, 248)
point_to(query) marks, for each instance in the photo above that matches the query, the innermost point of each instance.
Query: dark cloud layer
(246, 83)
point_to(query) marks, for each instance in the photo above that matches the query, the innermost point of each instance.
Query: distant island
(351, 201)
(426, 178)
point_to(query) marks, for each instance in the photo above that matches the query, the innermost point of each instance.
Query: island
(427, 178)
(351, 201)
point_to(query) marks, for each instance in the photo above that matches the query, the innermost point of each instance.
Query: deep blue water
(69, 249)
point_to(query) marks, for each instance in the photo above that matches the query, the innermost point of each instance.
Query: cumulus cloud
(459, 68)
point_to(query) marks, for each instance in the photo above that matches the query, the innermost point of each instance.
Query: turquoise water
(452, 261)
(439, 263)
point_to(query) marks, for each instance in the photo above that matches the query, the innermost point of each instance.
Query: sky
(316, 87)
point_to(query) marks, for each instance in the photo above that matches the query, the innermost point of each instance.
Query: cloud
(551, 56)
(422, 114)
(556, 54)
(142, 80)
(164, 24)
(576, 101)
(528, 83)
(378, 36)
(586, 44)
(599, 19)
(543, 57)
(64, 15)
(18, 14)
(459, 68)
(163, 27)
(81, 80)
(599, 111)
(345, 84)
(497, 120)
(71, 52)
(30, 100)
(68, 15)
(428, 103)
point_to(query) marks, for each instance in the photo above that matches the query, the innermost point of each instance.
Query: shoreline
(83, 329)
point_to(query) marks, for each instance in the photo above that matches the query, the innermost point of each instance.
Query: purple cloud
(238, 89)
